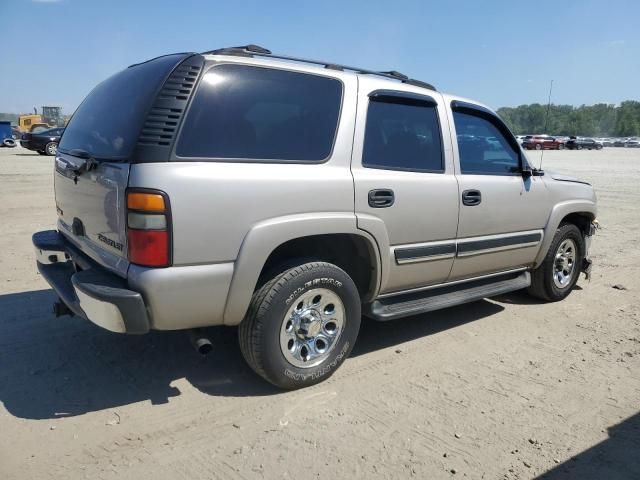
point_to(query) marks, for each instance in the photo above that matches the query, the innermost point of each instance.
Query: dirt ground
(503, 388)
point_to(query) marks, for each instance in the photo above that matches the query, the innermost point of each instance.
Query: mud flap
(586, 268)
(586, 261)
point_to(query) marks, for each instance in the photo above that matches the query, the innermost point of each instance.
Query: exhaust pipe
(200, 341)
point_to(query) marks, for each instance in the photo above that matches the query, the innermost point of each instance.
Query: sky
(502, 53)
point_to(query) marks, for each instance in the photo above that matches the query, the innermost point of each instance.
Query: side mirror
(528, 172)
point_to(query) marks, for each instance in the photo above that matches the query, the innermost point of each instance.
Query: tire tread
(252, 326)
(540, 277)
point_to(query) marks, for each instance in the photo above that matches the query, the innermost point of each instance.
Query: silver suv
(290, 197)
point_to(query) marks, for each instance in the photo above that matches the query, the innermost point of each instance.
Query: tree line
(599, 120)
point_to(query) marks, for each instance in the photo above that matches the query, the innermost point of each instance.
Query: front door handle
(381, 198)
(471, 198)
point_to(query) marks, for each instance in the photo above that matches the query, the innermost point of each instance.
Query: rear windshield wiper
(87, 165)
(72, 169)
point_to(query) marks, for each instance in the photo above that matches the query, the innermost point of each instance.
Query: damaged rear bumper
(88, 290)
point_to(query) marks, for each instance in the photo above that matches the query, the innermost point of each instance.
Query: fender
(375, 227)
(266, 236)
(558, 212)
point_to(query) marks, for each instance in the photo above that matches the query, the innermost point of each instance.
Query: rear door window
(402, 135)
(255, 113)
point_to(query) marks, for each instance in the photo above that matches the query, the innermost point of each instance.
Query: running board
(391, 308)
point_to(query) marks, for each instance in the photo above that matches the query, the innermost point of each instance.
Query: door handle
(471, 198)
(381, 198)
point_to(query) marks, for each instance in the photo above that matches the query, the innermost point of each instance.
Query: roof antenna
(546, 122)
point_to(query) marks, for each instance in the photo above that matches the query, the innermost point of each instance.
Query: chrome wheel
(311, 327)
(51, 148)
(565, 263)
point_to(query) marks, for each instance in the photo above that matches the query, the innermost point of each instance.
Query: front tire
(538, 146)
(301, 325)
(556, 276)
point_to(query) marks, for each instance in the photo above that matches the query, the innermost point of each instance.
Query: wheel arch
(578, 212)
(332, 237)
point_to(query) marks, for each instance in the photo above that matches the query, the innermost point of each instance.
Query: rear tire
(51, 148)
(558, 273)
(538, 146)
(301, 325)
(561, 147)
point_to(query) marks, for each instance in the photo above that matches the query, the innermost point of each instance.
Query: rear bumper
(88, 290)
(29, 145)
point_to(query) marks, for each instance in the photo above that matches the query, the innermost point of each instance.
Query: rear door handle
(381, 198)
(471, 198)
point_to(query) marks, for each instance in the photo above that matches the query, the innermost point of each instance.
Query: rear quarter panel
(215, 203)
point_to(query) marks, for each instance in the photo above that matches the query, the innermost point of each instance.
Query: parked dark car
(580, 143)
(45, 143)
(539, 142)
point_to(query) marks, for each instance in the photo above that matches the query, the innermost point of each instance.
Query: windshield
(107, 123)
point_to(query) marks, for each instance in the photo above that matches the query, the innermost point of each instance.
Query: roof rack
(257, 51)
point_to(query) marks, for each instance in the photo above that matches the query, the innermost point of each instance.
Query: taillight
(148, 228)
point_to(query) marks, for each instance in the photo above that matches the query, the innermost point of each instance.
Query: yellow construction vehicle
(26, 123)
(50, 117)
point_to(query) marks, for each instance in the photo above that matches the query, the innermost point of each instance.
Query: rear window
(255, 113)
(401, 136)
(108, 121)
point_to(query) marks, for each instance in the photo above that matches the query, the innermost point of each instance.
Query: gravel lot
(503, 388)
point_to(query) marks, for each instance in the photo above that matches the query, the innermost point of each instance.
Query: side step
(400, 306)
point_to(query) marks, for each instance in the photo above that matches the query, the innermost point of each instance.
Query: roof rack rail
(257, 51)
(245, 50)
(396, 74)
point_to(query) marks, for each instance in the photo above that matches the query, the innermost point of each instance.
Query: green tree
(588, 120)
